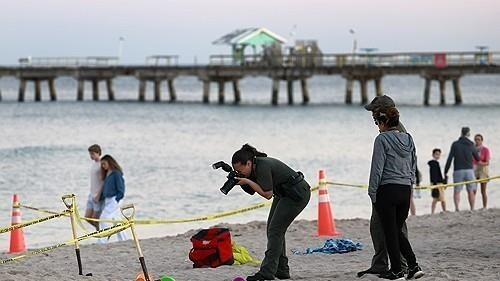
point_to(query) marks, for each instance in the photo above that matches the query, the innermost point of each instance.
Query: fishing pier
(223, 69)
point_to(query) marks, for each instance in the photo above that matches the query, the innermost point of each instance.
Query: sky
(187, 28)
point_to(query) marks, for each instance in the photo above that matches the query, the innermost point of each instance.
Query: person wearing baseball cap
(380, 262)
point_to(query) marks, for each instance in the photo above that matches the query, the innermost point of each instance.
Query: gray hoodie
(393, 161)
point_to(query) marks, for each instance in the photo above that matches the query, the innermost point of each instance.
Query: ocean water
(166, 150)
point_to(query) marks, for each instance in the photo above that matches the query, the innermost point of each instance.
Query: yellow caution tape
(32, 222)
(100, 233)
(40, 209)
(419, 187)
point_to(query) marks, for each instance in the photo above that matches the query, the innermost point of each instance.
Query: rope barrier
(96, 234)
(39, 209)
(31, 222)
(419, 187)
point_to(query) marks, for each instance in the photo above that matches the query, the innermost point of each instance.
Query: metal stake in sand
(71, 205)
(130, 218)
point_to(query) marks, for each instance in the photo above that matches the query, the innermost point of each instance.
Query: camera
(231, 178)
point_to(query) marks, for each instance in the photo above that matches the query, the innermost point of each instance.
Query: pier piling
(22, 90)
(458, 92)
(221, 91)
(427, 91)
(236, 91)
(348, 91)
(38, 90)
(275, 91)
(378, 87)
(52, 89)
(206, 91)
(305, 91)
(364, 93)
(95, 90)
(157, 84)
(80, 89)
(111, 92)
(289, 84)
(442, 89)
(142, 90)
(171, 90)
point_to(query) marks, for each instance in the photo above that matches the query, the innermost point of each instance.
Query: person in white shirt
(94, 204)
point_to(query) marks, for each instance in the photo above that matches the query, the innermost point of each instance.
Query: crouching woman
(270, 177)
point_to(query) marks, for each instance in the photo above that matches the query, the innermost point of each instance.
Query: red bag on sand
(211, 248)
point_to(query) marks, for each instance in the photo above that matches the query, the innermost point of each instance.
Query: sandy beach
(449, 246)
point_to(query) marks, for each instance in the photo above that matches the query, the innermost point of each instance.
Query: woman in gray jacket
(391, 177)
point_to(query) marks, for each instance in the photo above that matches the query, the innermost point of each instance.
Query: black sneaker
(390, 275)
(258, 277)
(370, 271)
(415, 272)
(282, 275)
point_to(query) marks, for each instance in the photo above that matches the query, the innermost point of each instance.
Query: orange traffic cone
(17, 244)
(326, 221)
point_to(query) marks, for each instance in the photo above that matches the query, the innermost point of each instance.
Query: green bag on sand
(242, 256)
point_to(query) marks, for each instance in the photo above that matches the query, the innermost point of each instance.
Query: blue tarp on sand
(333, 246)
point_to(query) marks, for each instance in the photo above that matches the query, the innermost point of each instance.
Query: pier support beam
(364, 93)
(142, 90)
(95, 90)
(236, 91)
(289, 84)
(348, 91)
(458, 93)
(275, 91)
(52, 89)
(442, 88)
(22, 90)
(221, 91)
(38, 90)
(157, 84)
(80, 89)
(206, 91)
(378, 87)
(305, 91)
(171, 90)
(111, 92)
(427, 91)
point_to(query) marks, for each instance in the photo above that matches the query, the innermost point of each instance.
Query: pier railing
(68, 61)
(375, 59)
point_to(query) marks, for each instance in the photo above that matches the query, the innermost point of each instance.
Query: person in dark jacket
(269, 177)
(113, 192)
(462, 152)
(380, 262)
(392, 175)
(436, 178)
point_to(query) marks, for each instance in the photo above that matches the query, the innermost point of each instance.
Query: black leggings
(392, 205)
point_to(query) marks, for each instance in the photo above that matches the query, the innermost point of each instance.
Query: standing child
(436, 178)
(94, 204)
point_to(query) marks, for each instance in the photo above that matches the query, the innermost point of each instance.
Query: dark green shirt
(271, 173)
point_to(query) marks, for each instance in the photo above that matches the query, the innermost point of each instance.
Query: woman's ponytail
(246, 153)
